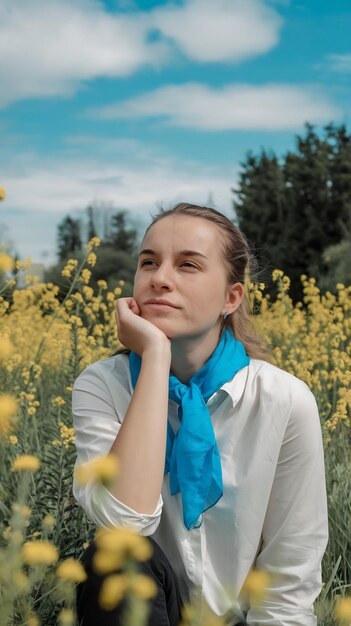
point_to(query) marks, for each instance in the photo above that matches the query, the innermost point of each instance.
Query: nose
(161, 277)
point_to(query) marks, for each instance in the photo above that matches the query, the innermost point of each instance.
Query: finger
(119, 306)
(135, 307)
(122, 304)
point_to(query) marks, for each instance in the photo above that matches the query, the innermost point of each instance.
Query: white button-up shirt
(273, 512)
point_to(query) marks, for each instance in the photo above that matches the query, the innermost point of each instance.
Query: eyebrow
(182, 253)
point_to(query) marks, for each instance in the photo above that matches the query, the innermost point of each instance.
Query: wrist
(158, 350)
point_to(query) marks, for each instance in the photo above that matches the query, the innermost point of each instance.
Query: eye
(146, 262)
(190, 264)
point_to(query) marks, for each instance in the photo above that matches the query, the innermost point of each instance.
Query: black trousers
(165, 608)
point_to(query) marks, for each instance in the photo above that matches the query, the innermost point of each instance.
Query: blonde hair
(238, 261)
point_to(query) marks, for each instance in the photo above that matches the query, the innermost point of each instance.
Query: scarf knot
(192, 456)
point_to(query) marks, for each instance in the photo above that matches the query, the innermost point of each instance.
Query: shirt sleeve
(96, 425)
(295, 531)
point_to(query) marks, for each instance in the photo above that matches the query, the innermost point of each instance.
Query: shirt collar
(235, 387)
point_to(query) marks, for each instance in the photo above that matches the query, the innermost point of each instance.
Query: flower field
(44, 345)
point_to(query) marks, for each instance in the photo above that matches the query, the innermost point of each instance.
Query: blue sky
(132, 104)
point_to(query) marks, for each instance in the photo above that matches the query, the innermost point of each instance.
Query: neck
(189, 354)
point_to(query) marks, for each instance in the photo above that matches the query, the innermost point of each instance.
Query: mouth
(160, 302)
(159, 305)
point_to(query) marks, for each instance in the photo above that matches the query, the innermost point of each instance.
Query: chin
(167, 329)
(166, 326)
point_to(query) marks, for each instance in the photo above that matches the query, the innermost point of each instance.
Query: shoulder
(272, 377)
(287, 396)
(111, 371)
(280, 387)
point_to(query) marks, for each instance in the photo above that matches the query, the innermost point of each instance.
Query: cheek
(203, 303)
(137, 287)
(209, 301)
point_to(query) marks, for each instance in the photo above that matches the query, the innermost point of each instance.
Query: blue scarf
(192, 456)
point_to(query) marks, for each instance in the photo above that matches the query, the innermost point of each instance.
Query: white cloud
(53, 49)
(242, 107)
(124, 174)
(224, 30)
(62, 183)
(340, 63)
(50, 49)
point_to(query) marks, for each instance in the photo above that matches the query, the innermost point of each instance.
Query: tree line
(116, 255)
(295, 211)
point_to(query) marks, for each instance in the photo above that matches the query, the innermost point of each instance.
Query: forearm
(141, 441)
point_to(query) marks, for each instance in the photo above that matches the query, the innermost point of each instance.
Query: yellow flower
(93, 243)
(23, 265)
(91, 260)
(88, 292)
(85, 276)
(6, 262)
(6, 533)
(276, 274)
(76, 321)
(143, 587)
(255, 585)
(17, 536)
(68, 435)
(102, 284)
(8, 405)
(102, 469)
(49, 522)
(39, 553)
(33, 621)
(6, 348)
(105, 561)
(26, 463)
(13, 439)
(66, 617)
(2, 193)
(77, 297)
(71, 570)
(191, 612)
(69, 267)
(66, 272)
(8, 409)
(112, 591)
(123, 540)
(342, 610)
(58, 401)
(24, 510)
(21, 581)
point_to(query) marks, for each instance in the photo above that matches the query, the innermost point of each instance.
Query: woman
(220, 452)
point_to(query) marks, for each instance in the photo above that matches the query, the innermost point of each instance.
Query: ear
(235, 296)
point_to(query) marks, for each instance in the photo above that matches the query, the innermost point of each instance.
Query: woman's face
(181, 263)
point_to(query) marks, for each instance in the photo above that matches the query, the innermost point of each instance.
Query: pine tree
(120, 236)
(92, 232)
(295, 209)
(69, 240)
